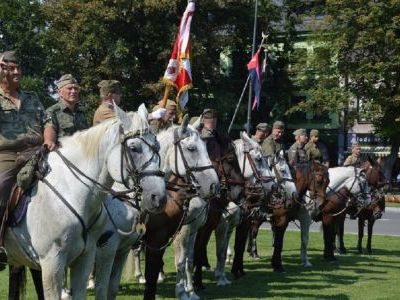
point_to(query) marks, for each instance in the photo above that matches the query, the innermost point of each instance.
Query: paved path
(388, 225)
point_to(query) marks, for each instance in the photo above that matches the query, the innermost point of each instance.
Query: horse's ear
(281, 154)
(245, 137)
(185, 123)
(142, 111)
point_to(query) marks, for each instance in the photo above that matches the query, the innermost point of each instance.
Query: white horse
(65, 217)
(255, 170)
(353, 179)
(111, 258)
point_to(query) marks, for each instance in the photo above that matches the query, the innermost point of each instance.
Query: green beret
(109, 87)
(279, 125)
(66, 79)
(299, 132)
(10, 56)
(209, 113)
(262, 127)
(314, 132)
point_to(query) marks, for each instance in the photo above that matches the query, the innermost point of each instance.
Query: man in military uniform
(297, 153)
(21, 115)
(311, 147)
(167, 118)
(355, 158)
(110, 93)
(273, 143)
(66, 116)
(262, 132)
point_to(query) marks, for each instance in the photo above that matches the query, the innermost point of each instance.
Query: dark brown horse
(311, 176)
(371, 213)
(222, 154)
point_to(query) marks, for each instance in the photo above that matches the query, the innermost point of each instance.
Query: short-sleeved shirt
(352, 160)
(271, 147)
(23, 127)
(297, 154)
(104, 112)
(64, 121)
(312, 151)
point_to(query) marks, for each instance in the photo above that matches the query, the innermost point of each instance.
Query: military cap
(66, 79)
(262, 127)
(209, 113)
(299, 132)
(279, 125)
(314, 132)
(193, 120)
(171, 104)
(109, 87)
(10, 56)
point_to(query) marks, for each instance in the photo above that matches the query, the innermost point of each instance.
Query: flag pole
(253, 46)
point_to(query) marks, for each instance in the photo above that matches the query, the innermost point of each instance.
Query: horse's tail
(17, 284)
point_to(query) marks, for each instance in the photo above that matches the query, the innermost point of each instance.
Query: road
(388, 225)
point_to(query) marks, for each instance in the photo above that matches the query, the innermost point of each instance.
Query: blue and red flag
(254, 71)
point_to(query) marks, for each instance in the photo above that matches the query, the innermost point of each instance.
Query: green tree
(361, 62)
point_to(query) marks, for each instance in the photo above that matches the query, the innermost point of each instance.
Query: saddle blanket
(20, 210)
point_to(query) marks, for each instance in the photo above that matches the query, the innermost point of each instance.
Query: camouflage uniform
(312, 151)
(297, 154)
(20, 131)
(64, 121)
(104, 112)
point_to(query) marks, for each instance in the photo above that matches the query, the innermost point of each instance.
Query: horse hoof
(280, 270)
(161, 278)
(65, 294)
(90, 284)
(307, 264)
(193, 296)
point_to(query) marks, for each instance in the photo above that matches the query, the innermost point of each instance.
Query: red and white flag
(179, 72)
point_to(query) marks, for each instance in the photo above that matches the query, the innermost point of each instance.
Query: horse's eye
(191, 148)
(135, 148)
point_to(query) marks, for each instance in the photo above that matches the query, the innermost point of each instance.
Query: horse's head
(185, 155)
(254, 166)
(284, 176)
(135, 161)
(318, 181)
(375, 177)
(228, 169)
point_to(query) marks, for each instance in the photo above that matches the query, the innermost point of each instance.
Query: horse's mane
(91, 138)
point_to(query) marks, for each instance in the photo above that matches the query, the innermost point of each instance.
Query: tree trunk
(390, 161)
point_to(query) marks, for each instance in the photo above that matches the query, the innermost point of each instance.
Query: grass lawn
(392, 204)
(354, 276)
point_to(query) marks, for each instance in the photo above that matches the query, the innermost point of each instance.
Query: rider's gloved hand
(157, 114)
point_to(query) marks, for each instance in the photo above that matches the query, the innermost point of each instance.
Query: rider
(262, 132)
(21, 116)
(166, 120)
(297, 153)
(311, 147)
(66, 116)
(355, 158)
(273, 143)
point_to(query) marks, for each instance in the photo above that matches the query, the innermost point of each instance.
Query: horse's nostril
(214, 188)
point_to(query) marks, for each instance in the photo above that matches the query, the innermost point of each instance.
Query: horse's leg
(180, 262)
(340, 225)
(221, 235)
(189, 267)
(53, 271)
(79, 273)
(152, 269)
(116, 273)
(305, 222)
(329, 230)
(16, 282)
(138, 270)
(37, 280)
(371, 222)
(361, 223)
(240, 244)
(276, 260)
(103, 266)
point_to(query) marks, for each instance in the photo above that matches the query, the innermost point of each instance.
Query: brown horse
(222, 154)
(346, 183)
(371, 213)
(311, 176)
